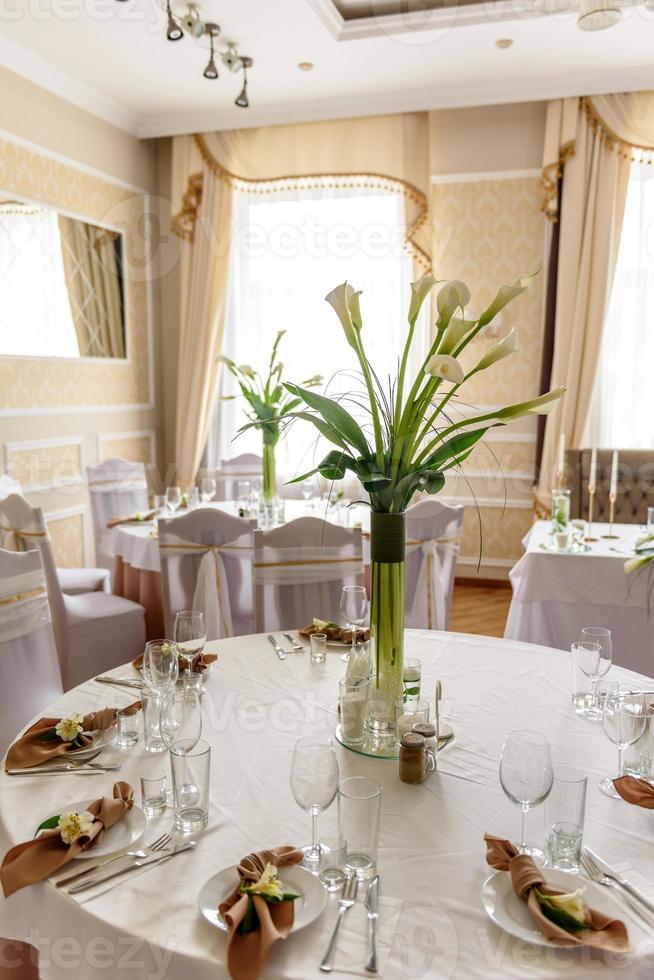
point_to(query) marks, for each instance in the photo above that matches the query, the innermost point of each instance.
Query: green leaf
(48, 824)
(336, 416)
(326, 430)
(454, 447)
(49, 736)
(250, 920)
(370, 477)
(335, 464)
(432, 482)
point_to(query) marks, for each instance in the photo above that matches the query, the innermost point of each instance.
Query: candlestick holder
(591, 500)
(611, 535)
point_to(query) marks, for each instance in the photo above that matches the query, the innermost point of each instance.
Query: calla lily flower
(454, 295)
(505, 295)
(542, 405)
(246, 370)
(446, 367)
(456, 330)
(501, 349)
(419, 292)
(344, 299)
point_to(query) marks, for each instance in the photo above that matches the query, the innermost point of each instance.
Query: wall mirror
(62, 288)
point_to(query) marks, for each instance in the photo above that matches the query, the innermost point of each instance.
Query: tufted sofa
(635, 484)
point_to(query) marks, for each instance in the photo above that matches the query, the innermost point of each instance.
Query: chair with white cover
(93, 631)
(299, 572)
(249, 466)
(206, 561)
(73, 581)
(433, 533)
(30, 675)
(117, 488)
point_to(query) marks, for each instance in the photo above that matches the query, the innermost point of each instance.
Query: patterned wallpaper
(67, 537)
(46, 464)
(136, 448)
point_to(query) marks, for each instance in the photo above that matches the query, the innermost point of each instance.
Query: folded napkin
(198, 665)
(39, 858)
(247, 951)
(597, 930)
(636, 791)
(335, 632)
(41, 742)
(134, 519)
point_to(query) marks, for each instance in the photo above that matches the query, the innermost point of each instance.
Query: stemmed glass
(160, 666)
(589, 659)
(601, 636)
(208, 489)
(173, 498)
(526, 776)
(190, 635)
(354, 606)
(314, 784)
(624, 719)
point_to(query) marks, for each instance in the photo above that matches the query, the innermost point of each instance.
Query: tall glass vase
(269, 472)
(386, 628)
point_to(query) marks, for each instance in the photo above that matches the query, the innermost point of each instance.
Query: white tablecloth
(431, 850)
(556, 595)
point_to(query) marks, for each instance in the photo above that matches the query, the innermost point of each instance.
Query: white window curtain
(622, 408)
(289, 250)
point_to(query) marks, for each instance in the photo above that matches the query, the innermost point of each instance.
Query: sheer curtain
(622, 407)
(290, 249)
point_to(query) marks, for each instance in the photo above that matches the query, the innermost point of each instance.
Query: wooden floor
(480, 609)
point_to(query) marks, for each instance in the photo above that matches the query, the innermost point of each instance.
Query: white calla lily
(456, 330)
(344, 300)
(446, 367)
(454, 295)
(503, 348)
(419, 292)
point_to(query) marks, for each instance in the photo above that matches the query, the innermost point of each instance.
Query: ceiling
(369, 56)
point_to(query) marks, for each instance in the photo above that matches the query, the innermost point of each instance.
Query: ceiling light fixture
(305, 65)
(597, 15)
(504, 42)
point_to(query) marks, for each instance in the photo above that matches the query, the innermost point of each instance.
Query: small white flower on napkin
(69, 728)
(72, 825)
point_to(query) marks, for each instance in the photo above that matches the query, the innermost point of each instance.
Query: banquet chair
(117, 488)
(30, 674)
(299, 571)
(206, 559)
(93, 631)
(433, 532)
(73, 581)
(249, 466)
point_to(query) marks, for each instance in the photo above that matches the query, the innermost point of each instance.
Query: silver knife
(130, 865)
(622, 882)
(372, 904)
(125, 682)
(278, 650)
(82, 770)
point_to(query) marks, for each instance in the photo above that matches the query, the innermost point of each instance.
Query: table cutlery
(131, 864)
(278, 650)
(125, 682)
(297, 647)
(595, 861)
(593, 872)
(372, 904)
(79, 768)
(156, 845)
(347, 900)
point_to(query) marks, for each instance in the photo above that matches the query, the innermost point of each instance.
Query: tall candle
(613, 492)
(592, 480)
(561, 467)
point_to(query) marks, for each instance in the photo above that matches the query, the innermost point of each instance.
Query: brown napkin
(336, 633)
(30, 749)
(198, 665)
(602, 932)
(246, 953)
(636, 791)
(115, 521)
(39, 858)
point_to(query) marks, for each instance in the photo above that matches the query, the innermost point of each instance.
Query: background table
(432, 855)
(556, 595)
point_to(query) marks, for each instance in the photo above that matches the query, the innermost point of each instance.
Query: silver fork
(297, 647)
(595, 874)
(156, 845)
(347, 900)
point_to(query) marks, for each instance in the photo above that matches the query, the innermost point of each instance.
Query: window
(622, 406)
(289, 251)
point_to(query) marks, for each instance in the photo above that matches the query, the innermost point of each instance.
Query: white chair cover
(30, 675)
(117, 488)
(205, 564)
(248, 466)
(8, 485)
(433, 533)
(299, 572)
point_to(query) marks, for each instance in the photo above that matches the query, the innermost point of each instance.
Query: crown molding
(49, 76)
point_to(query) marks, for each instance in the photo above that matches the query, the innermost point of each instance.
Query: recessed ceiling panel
(360, 9)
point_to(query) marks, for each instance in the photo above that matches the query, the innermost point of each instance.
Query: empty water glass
(173, 498)
(318, 648)
(128, 729)
(192, 497)
(565, 846)
(624, 719)
(565, 810)
(409, 714)
(208, 488)
(353, 702)
(159, 507)
(151, 710)
(191, 765)
(333, 852)
(359, 807)
(243, 490)
(153, 792)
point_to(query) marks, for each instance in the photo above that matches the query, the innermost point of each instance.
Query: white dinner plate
(100, 739)
(511, 914)
(123, 834)
(299, 880)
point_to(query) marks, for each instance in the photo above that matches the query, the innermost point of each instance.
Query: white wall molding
(35, 444)
(499, 503)
(468, 178)
(81, 509)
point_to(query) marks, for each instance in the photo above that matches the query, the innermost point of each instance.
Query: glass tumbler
(409, 714)
(565, 810)
(128, 730)
(318, 647)
(152, 722)
(353, 701)
(333, 854)
(359, 808)
(190, 763)
(153, 792)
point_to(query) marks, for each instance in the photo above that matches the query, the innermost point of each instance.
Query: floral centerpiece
(409, 444)
(268, 402)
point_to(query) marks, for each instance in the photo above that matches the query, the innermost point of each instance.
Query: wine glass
(601, 636)
(190, 635)
(354, 606)
(588, 657)
(208, 488)
(314, 784)
(526, 776)
(624, 719)
(160, 666)
(173, 498)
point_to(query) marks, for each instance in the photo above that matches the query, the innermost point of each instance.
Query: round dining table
(431, 850)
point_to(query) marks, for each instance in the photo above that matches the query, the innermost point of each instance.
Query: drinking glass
(243, 490)
(580, 684)
(333, 851)
(190, 635)
(128, 730)
(181, 720)
(526, 777)
(208, 488)
(307, 491)
(159, 507)
(602, 636)
(318, 647)
(638, 758)
(359, 806)
(353, 701)
(650, 520)
(153, 792)
(408, 714)
(151, 712)
(624, 718)
(173, 498)
(191, 766)
(314, 783)
(565, 810)
(354, 606)
(411, 676)
(160, 666)
(587, 656)
(192, 497)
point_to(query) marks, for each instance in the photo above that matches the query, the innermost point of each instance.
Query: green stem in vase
(269, 472)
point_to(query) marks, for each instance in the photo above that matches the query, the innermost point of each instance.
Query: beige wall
(487, 138)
